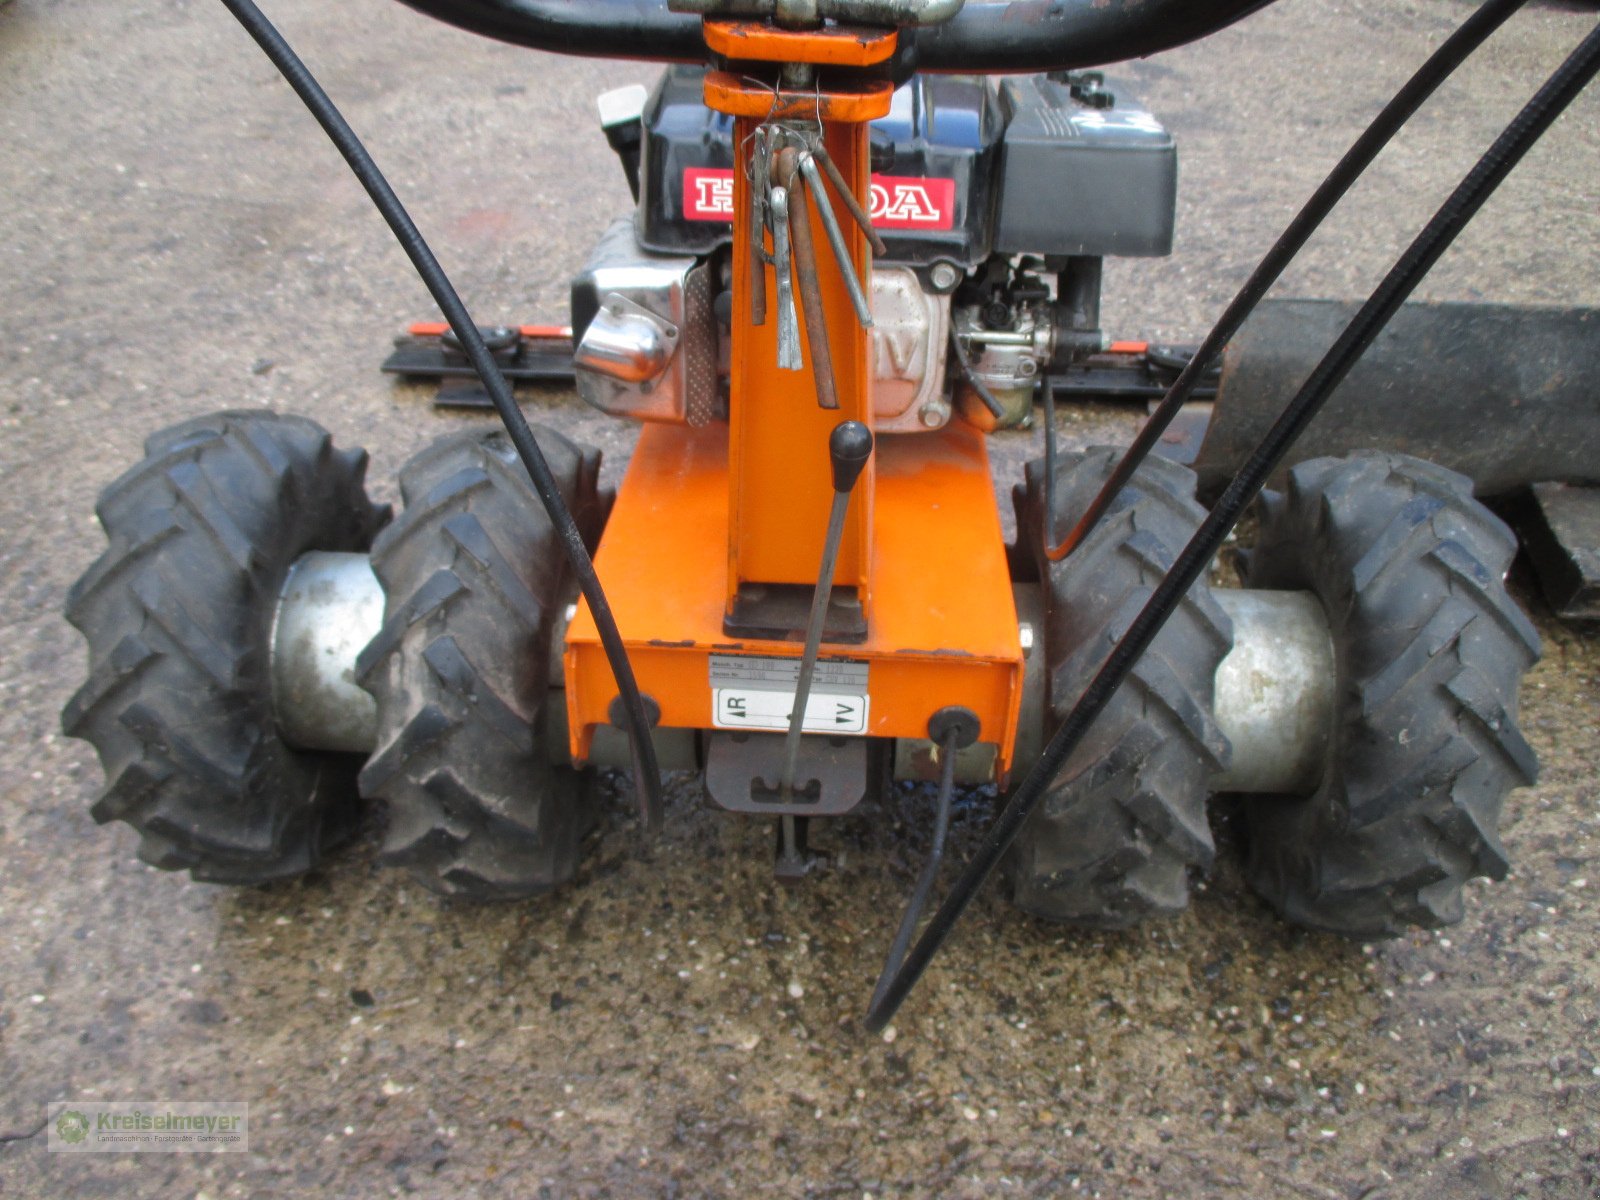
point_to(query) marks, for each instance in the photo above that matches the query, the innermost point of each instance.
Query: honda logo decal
(898, 201)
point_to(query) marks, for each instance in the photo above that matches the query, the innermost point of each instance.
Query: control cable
(1436, 237)
(647, 774)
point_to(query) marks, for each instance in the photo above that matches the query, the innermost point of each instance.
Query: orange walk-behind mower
(854, 254)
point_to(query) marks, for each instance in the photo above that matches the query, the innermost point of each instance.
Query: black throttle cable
(1480, 183)
(930, 869)
(1440, 66)
(646, 773)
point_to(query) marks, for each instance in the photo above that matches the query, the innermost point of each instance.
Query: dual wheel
(1428, 649)
(178, 613)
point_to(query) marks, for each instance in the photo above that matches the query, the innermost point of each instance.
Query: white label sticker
(746, 708)
(758, 693)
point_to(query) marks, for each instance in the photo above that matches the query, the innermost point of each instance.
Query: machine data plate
(758, 693)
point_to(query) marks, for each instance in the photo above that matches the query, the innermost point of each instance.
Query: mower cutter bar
(527, 353)
(543, 354)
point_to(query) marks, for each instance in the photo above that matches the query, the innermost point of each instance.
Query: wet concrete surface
(176, 238)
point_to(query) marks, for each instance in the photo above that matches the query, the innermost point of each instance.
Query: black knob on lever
(849, 448)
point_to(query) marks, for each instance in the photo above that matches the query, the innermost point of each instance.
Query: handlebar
(1066, 35)
(642, 29)
(983, 38)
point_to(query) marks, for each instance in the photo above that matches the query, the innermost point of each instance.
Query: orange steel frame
(703, 511)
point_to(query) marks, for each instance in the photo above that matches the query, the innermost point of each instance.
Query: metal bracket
(742, 771)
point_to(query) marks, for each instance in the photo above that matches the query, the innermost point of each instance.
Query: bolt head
(943, 276)
(933, 415)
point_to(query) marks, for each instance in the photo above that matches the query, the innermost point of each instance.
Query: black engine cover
(1087, 175)
(935, 161)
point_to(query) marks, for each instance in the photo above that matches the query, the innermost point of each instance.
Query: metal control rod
(852, 204)
(786, 174)
(849, 448)
(841, 248)
(789, 358)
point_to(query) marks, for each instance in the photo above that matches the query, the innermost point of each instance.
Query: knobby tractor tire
(474, 580)
(178, 615)
(1124, 824)
(1430, 650)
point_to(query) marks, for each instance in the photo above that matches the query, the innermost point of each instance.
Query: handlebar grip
(639, 29)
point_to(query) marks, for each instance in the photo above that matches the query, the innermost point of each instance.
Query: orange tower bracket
(712, 519)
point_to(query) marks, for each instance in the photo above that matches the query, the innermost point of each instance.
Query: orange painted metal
(439, 329)
(944, 629)
(781, 482)
(866, 100)
(831, 46)
(702, 511)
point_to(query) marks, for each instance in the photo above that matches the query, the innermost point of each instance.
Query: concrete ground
(175, 237)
